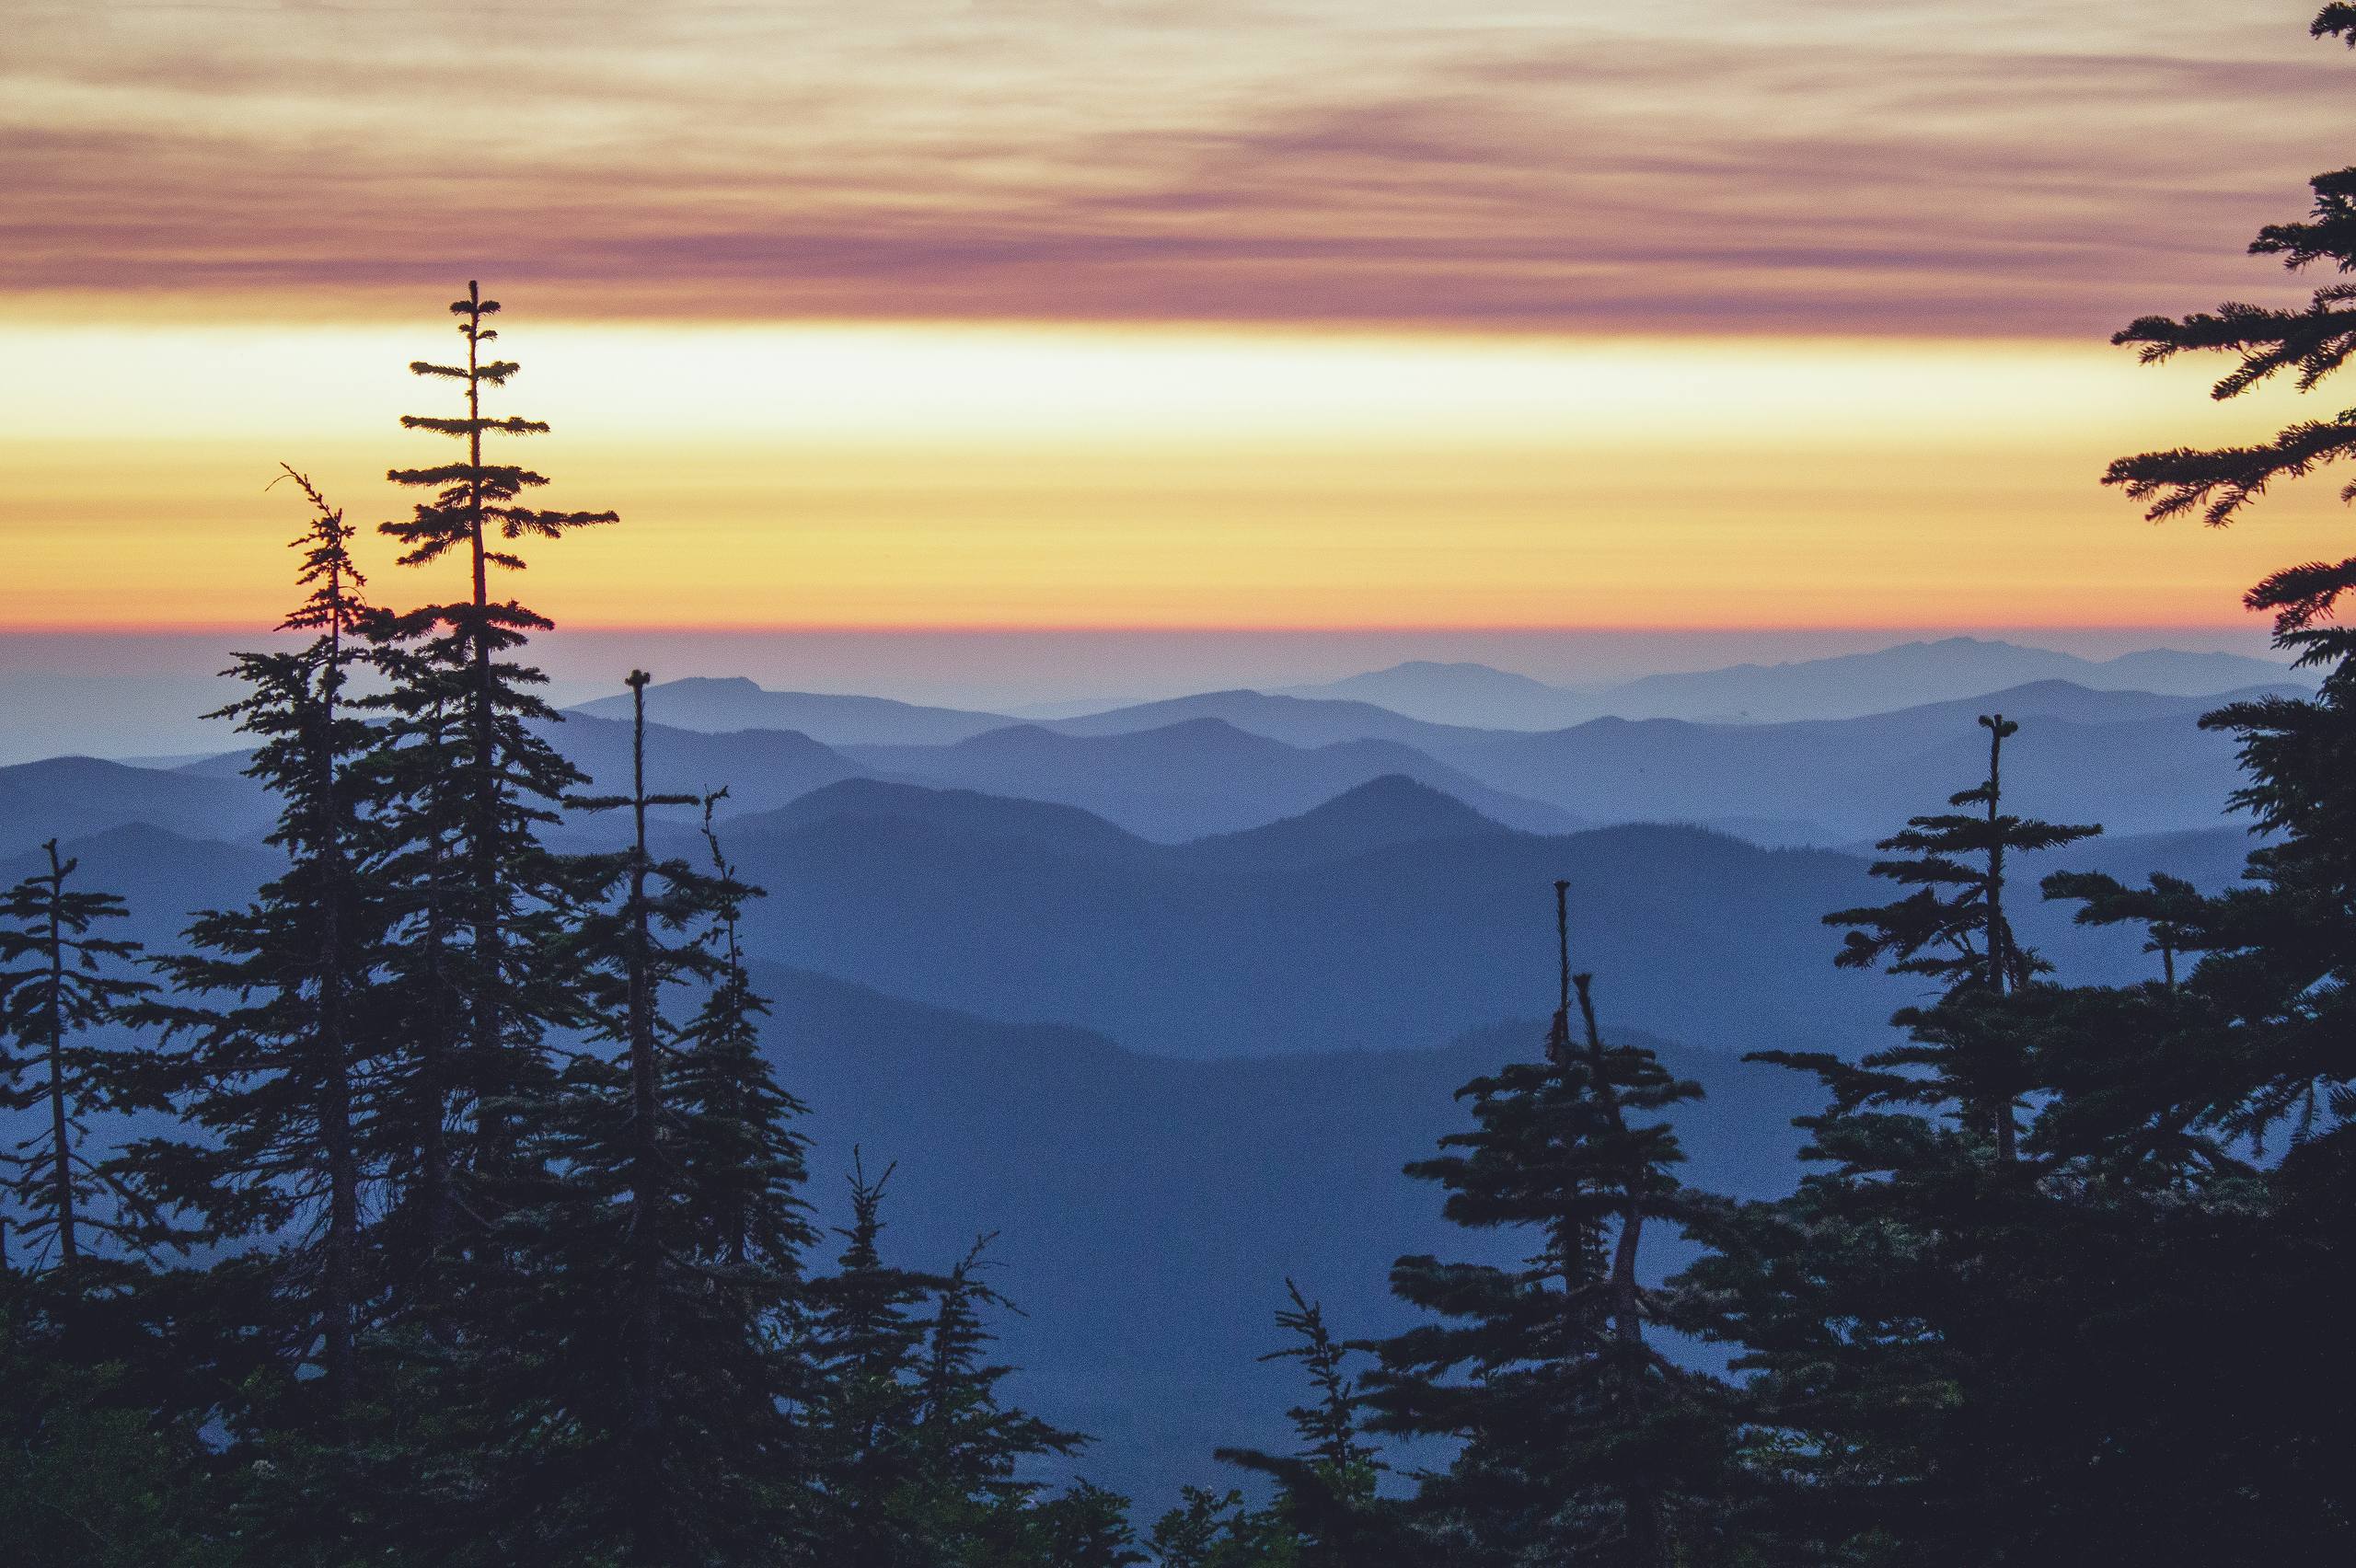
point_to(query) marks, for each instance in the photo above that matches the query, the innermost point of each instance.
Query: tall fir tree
(485, 969)
(2285, 946)
(475, 783)
(1579, 1439)
(670, 1256)
(61, 984)
(1895, 1311)
(279, 1043)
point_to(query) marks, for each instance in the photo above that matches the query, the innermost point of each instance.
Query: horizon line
(997, 628)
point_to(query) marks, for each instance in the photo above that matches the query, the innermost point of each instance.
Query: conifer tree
(2225, 1104)
(1325, 1513)
(1895, 1310)
(670, 1253)
(274, 1005)
(742, 1162)
(1953, 927)
(2286, 946)
(976, 1504)
(867, 1341)
(60, 982)
(475, 784)
(483, 964)
(1579, 1439)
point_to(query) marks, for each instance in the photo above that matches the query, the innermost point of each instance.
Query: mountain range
(1844, 687)
(1173, 1065)
(1225, 761)
(1173, 1076)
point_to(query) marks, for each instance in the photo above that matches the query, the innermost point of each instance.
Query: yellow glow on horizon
(921, 475)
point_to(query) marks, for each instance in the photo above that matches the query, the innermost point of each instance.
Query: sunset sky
(1087, 313)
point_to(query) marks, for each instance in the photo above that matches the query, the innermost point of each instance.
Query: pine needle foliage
(471, 783)
(279, 1045)
(61, 984)
(670, 1304)
(1579, 1439)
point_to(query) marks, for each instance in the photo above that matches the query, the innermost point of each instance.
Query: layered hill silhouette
(2136, 761)
(1149, 1206)
(1844, 686)
(1182, 781)
(1391, 914)
(736, 703)
(1474, 695)
(74, 796)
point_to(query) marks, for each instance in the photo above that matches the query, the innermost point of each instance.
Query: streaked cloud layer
(1931, 169)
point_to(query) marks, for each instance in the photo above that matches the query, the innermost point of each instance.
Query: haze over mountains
(1844, 687)
(1080, 977)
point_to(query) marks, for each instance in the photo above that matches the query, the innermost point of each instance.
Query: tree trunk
(338, 1265)
(1647, 1534)
(1999, 938)
(646, 1175)
(61, 1140)
(482, 823)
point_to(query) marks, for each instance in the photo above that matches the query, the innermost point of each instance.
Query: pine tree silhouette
(1953, 927)
(1580, 1439)
(867, 1342)
(1893, 1312)
(2287, 946)
(478, 780)
(673, 1195)
(281, 1048)
(58, 983)
(1325, 1513)
(486, 972)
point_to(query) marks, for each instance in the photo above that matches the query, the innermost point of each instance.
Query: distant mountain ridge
(722, 703)
(1843, 687)
(2135, 760)
(1187, 779)
(1409, 697)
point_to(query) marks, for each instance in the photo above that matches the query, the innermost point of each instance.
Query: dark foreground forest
(464, 1216)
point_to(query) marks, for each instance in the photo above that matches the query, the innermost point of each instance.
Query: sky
(1020, 318)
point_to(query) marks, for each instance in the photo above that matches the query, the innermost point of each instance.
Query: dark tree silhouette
(2286, 947)
(279, 1042)
(58, 983)
(663, 1365)
(1580, 1439)
(867, 1341)
(1326, 1514)
(1953, 927)
(478, 780)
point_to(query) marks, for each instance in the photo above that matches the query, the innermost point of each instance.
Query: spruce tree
(742, 1163)
(669, 1262)
(1953, 927)
(60, 982)
(280, 1042)
(1579, 1439)
(2286, 949)
(473, 784)
(867, 1339)
(2226, 1102)
(1897, 1311)
(485, 969)
(976, 1502)
(1325, 1513)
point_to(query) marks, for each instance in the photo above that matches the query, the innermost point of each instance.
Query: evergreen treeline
(480, 1235)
